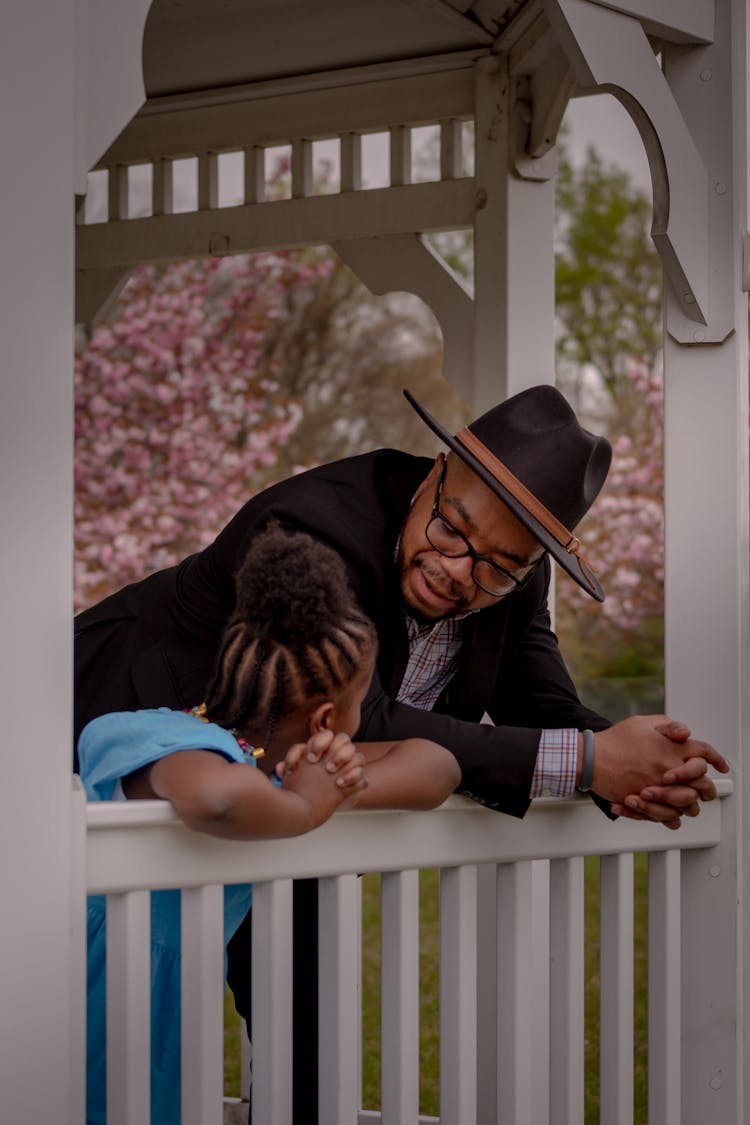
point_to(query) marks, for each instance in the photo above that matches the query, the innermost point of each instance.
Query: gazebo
(109, 86)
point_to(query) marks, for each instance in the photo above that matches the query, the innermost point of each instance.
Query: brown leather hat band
(502, 473)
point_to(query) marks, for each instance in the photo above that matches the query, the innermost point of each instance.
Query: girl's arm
(410, 774)
(235, 801)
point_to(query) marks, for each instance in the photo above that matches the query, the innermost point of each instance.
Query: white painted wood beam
(162, 187)
(293, 222)
(202, 1005)
(451, 149)
(458, 996)
(78, 966)
(517, 993)
(406, 263)
(109, 75)
(566, 1025)
(701, 83)
(96, 292)
(273, 114)
(255, 174)
(339, 1011)
(609, 51)
(163, 853)
(616, 991)
(454, 11)
(400, 153)
(679, 21)
(513, 252)
(551, 85)
(351, 162)
(117, 193)
(272, 1001)
(664, 983)
(128, 991)
(208, 181)
(302, 169)
(399, 1084)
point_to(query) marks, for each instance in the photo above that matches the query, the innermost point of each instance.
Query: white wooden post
(513, 254)
(708, 602)
(36, 350)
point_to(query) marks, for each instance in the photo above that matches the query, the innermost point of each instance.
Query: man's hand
(650, 768)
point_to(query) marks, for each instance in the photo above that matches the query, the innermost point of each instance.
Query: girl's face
(346, 712)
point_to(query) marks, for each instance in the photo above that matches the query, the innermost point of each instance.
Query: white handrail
(142, 844)
(537, 987)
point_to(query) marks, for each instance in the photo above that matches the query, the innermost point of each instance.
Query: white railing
(511, 940)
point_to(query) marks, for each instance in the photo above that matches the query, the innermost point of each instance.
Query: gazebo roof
(189, 45)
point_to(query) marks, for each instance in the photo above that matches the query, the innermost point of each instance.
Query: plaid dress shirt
(433, 657)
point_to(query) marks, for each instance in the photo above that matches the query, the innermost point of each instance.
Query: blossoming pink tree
(623, 537)
(189, 399)
(175, 426)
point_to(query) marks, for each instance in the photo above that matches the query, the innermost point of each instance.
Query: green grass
(429, 1048)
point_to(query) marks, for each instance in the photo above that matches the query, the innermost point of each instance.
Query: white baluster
(400, 997)
(128, 1008)
(616, 991)
(272, 1003)
(451, 149)
(208, 181)
(302, 170)
(458, 996)
(255, 174)
(202, 1005)
(664, 971)
(566, 992)
(117, 193)
(517, 993)
(400, 147)
(338, 979)
(162, 187)
(351, 161)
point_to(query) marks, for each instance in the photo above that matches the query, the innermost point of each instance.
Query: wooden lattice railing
(511, 943)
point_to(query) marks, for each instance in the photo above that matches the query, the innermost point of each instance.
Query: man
(452, 563)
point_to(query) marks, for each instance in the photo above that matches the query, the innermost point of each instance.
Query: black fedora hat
(534, 454)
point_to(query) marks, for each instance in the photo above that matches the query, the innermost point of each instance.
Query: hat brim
(570, 563)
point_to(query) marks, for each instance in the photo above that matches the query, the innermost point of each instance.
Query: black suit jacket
(153, 643)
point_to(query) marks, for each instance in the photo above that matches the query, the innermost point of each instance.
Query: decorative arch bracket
(609, 51)
(405, 262)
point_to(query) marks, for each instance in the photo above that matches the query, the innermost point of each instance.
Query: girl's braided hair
(296, 635)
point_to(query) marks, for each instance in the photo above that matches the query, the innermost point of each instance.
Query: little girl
(294, 664)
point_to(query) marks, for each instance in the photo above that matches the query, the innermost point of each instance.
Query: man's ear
(320, 717)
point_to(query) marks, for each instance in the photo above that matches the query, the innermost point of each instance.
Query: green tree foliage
(607, 283)
(609, 334)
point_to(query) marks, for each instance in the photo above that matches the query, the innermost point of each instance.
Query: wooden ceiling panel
(194, 45)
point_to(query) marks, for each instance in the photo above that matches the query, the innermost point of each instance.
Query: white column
(514, 283)
(707, 592)
(36, 441)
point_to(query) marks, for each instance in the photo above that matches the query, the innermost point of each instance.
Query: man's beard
(448, 587)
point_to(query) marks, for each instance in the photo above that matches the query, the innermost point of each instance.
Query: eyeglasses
(448, 541)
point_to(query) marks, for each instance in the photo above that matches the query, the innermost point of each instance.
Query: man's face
(435, 586)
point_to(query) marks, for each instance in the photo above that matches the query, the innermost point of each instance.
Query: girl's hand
(312, 751)
(326, 770)
(336, 752)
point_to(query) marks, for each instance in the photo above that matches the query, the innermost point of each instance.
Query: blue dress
(110, 748)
